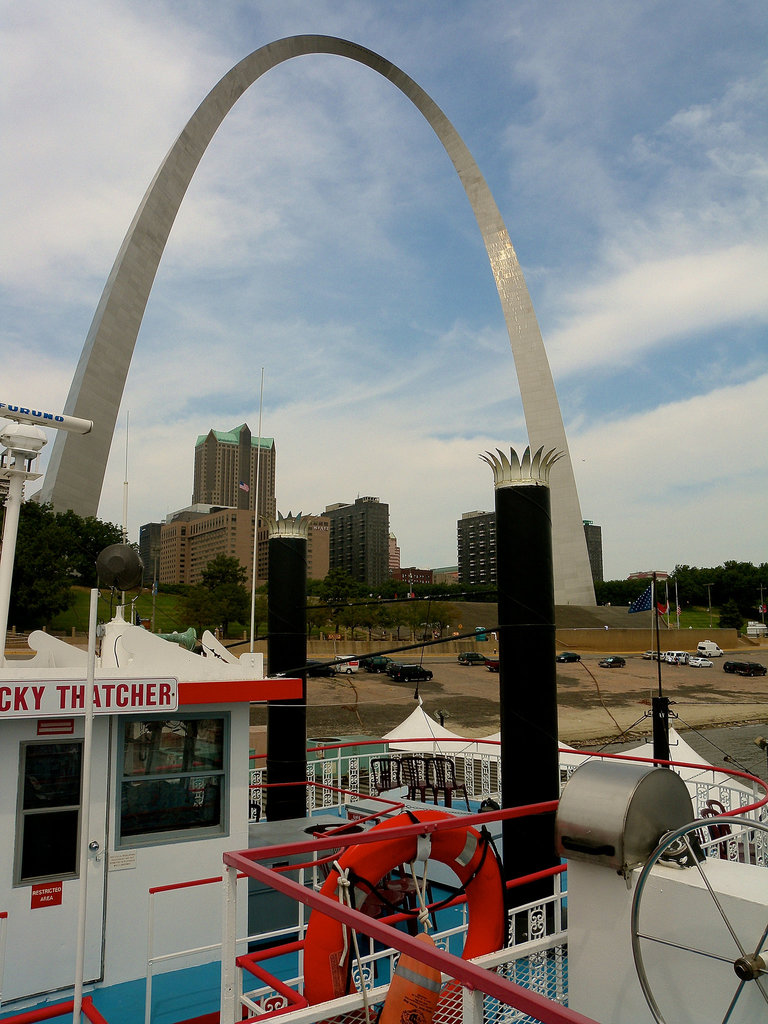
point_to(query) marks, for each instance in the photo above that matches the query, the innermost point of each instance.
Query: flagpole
(660, 703)
(256, 516)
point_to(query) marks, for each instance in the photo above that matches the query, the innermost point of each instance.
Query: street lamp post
(709, 602)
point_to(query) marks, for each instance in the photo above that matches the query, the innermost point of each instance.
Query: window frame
(23, 813)
(189, 834)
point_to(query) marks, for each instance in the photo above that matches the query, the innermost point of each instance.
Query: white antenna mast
(256, 516)
(125, 481)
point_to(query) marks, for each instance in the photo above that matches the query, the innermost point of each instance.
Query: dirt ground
(595, 705)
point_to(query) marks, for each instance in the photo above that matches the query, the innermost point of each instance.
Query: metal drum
(613, 813)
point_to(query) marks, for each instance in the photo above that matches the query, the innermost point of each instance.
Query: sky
(326, 242)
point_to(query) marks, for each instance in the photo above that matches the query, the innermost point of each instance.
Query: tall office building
(226, 466)
(477, 548)
(359, 539)
(149, 552)
(394, 555)
(594, 536)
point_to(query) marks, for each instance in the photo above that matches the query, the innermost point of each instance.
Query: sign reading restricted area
(46, 894)
(53, 697)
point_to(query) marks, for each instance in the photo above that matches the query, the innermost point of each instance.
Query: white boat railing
(337, 778)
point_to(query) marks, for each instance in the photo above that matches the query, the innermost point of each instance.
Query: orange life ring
(463, 849)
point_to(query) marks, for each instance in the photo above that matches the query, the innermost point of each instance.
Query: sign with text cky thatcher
(47, 698)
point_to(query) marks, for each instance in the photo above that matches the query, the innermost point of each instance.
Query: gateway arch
(75, 473)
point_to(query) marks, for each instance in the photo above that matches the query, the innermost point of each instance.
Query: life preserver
(463, 849)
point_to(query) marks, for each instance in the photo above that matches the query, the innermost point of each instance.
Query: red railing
(465, 972)
(57, 1010)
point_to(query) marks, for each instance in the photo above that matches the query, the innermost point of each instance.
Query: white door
(43, 893)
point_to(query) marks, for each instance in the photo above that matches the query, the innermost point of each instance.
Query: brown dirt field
(595, 705)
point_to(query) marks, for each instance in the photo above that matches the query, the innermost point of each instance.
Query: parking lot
(594, 704)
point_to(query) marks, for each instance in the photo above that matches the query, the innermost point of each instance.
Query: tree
(197, 606)
(223, 569)
(231, 603)
(53, 552)
(730, 616)
(338, 590)
(221, 597)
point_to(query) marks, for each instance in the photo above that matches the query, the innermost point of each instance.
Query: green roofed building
(225, 470)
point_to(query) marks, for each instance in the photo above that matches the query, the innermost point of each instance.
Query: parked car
(568, 656)
(744, 668)
(492, 664)
(410, 673)
(375, 663)
(695, 661)
(471, 658)
(320, 668)
(612, 662)
(653, 656)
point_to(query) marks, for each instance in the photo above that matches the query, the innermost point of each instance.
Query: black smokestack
(527, 670)
(287, 651)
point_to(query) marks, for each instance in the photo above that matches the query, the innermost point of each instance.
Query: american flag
(642, 603)
(244, 486)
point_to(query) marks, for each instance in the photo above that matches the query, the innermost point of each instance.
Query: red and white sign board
(46, 894)
(48, 698)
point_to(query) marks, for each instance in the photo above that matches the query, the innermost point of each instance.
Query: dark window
(49, 811)
(173, 778)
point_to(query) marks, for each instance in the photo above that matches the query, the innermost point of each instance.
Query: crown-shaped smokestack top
(288, 526)
(513, 472)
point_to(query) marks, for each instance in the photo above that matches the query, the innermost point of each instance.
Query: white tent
(679, 750)
(423, 735)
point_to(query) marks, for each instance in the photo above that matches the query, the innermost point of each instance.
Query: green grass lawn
(168, 614)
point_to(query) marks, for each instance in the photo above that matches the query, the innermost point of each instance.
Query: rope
(343, 888)
(423, 912)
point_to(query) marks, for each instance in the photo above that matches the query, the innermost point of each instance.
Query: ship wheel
(690, 952)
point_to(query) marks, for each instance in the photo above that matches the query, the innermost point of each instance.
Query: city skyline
(632, 191)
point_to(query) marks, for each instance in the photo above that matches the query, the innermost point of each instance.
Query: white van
(676, 657)
(709, 649)
(347, 663)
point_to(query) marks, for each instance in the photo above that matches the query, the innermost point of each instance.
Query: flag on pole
(642, 603)
(663, 608)
(244, 487)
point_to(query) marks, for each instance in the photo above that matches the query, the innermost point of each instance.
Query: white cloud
(680, 484)
(654, 301)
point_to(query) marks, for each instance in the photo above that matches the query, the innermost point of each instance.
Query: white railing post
(150, 955)
(229, 1011)
(471, 1006)
(3, 931)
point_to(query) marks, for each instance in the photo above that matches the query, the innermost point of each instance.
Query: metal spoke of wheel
(748, 966)
(713, 894)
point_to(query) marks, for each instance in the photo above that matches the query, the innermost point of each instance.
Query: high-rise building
(594, 536)
(477, 548)
(394, 555)
(194, 536)
(359, 539)
(226, 467)
(149, 552)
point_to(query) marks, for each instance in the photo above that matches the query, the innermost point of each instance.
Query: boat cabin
(164, 796)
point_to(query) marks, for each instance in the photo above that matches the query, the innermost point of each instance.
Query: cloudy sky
(326, 239)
